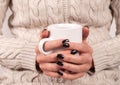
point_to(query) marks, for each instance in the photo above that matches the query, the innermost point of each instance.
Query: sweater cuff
(100, 57)
(28, 57)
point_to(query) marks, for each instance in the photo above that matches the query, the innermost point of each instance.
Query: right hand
(47, 63)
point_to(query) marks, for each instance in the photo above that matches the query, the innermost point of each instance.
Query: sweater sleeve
(106, 54)
(15, 53)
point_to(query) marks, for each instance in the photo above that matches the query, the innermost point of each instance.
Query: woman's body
(30, 17)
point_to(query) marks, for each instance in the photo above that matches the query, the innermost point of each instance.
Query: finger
(51, 57)
(46, 59)
(53, 44)
(85, 33)
(53, 67)
(52, 74)
(81, 47)
(44, 34)
(76, 59)
(68, 76)
(73, 67)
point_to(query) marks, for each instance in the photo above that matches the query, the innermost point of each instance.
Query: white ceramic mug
(73, 32)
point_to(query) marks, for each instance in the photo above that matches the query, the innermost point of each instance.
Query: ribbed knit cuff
(28, 56)
(100, 58)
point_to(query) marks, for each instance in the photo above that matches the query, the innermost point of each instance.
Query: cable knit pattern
(29, 17)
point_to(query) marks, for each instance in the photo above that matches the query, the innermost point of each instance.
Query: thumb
(44, 34)
(85, 33)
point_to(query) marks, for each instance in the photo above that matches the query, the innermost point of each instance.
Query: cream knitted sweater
(29, 17)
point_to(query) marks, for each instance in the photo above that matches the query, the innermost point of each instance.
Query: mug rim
(64, 26)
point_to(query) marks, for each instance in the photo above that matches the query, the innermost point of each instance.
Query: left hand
(77, 64)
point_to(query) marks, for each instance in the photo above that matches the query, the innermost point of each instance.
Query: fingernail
(59, 63)
(60, 73)
(66, 45)
(66, 40)
(60, 56)
(74, 51)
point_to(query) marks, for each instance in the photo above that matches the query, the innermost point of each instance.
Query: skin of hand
(64, 64)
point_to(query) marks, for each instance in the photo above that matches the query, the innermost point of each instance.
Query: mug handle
(41, 44)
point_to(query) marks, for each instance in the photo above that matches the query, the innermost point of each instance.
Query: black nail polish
(60, 73)
(74, 51)
(66, 45)
(60, 56)
(66, 40)
(59, 63)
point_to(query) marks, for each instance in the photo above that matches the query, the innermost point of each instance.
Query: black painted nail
(74, 51)
(60, 56)
(59, 63)
(66, 45)
(66, 40)
(60, 73)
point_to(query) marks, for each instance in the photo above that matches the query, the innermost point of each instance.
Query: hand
(78, 65)
(47, 63)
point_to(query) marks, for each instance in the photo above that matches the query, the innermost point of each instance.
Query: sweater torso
(40, 13)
